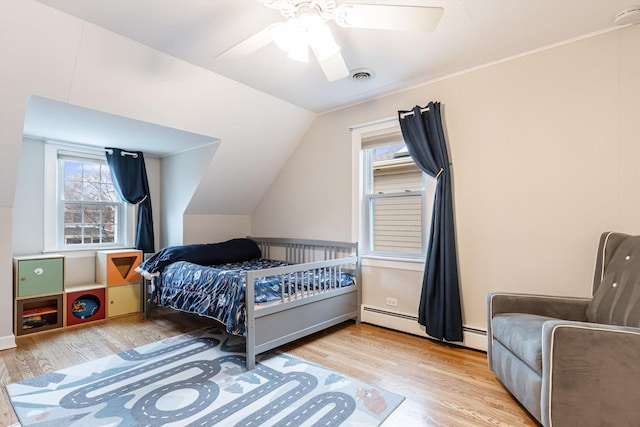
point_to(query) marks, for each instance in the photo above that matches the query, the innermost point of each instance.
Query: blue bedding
(219, 291)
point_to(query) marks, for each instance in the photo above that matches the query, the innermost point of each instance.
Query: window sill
(394, 263)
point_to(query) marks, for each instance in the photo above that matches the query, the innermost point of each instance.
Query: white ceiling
(471, 33)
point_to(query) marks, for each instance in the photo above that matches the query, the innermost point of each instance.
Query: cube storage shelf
(38, 289)
(118, 267)
(38, 314)
(124, 299)
(116, 270)
(85, 304)
(41, 301)
(38, 276)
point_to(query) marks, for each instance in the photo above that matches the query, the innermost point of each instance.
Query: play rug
(198, 379)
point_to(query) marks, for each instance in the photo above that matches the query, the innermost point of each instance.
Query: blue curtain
(439, 310)
(129, 176)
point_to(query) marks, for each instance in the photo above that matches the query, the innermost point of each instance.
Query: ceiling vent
(362, 74)
(628, 16)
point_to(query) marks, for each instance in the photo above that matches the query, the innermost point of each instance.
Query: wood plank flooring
(443, 385)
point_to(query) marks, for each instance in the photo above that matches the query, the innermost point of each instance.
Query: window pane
(72, 170)
(389, 152)
(72, 190)
(396, 224)
(72, 213)
(397, 180)
(108, 233)
(90, 223)
(108, 193)
(92, 213)
(72, 173)
(91, 172)
(109, 214)
(72, 234)
(90, 190)
(105, 174)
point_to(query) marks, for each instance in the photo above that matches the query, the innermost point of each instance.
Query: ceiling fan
(306, 28)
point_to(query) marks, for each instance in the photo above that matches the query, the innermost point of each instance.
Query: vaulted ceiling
(470, 33)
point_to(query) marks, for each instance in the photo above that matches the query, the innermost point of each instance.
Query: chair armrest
(565, 308)
(590, 375)
(543, 305)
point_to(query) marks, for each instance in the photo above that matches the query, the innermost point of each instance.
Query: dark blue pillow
(234, 250)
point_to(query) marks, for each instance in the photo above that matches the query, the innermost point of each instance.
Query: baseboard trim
(7, 342)
(472, 337)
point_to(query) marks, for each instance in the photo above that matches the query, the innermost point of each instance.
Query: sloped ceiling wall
(50, 54)
(57, 56)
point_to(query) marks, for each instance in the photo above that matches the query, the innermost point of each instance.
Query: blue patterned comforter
(219, 291)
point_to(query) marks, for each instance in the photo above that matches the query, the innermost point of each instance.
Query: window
(396, 196)
(91, 210)
(89, 214)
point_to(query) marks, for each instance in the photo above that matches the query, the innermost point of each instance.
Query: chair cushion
(617, 298)
(522, 335)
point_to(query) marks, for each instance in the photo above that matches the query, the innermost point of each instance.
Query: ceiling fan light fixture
(291, 38)
(306, 30)
(320, 39)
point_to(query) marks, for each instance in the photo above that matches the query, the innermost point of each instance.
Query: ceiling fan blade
(333, 67)
(249, 45)
(387, 17)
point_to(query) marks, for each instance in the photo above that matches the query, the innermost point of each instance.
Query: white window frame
(54, 215)
(383, 132)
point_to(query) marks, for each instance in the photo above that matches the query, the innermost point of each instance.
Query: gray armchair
(574, 361)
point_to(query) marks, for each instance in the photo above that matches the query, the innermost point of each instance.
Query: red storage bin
(86, 305)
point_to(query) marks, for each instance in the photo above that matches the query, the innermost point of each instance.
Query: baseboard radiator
(473, 337)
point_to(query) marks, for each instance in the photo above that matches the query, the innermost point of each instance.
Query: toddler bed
(299, 286)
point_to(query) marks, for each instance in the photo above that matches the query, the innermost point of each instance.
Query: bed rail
(320, 258)
(304, 250)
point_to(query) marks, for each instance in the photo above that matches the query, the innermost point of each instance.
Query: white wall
(545, 152)
(28, 207)
(312, 194)
(215, 228)
(180, 176)
(7, 339)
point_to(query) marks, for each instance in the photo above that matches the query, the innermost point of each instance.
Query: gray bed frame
(313, 308)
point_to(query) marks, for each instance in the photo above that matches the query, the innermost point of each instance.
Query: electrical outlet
(392, 302)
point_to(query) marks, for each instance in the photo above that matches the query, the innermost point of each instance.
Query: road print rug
(198, 379)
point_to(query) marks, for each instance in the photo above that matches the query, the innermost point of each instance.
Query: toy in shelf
(33, 322)
(84, 308)
(85, 304)
(39, 317)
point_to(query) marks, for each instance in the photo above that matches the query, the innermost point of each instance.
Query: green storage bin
(40, 276)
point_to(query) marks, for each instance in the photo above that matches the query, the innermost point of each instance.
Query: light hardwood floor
(443, 385)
